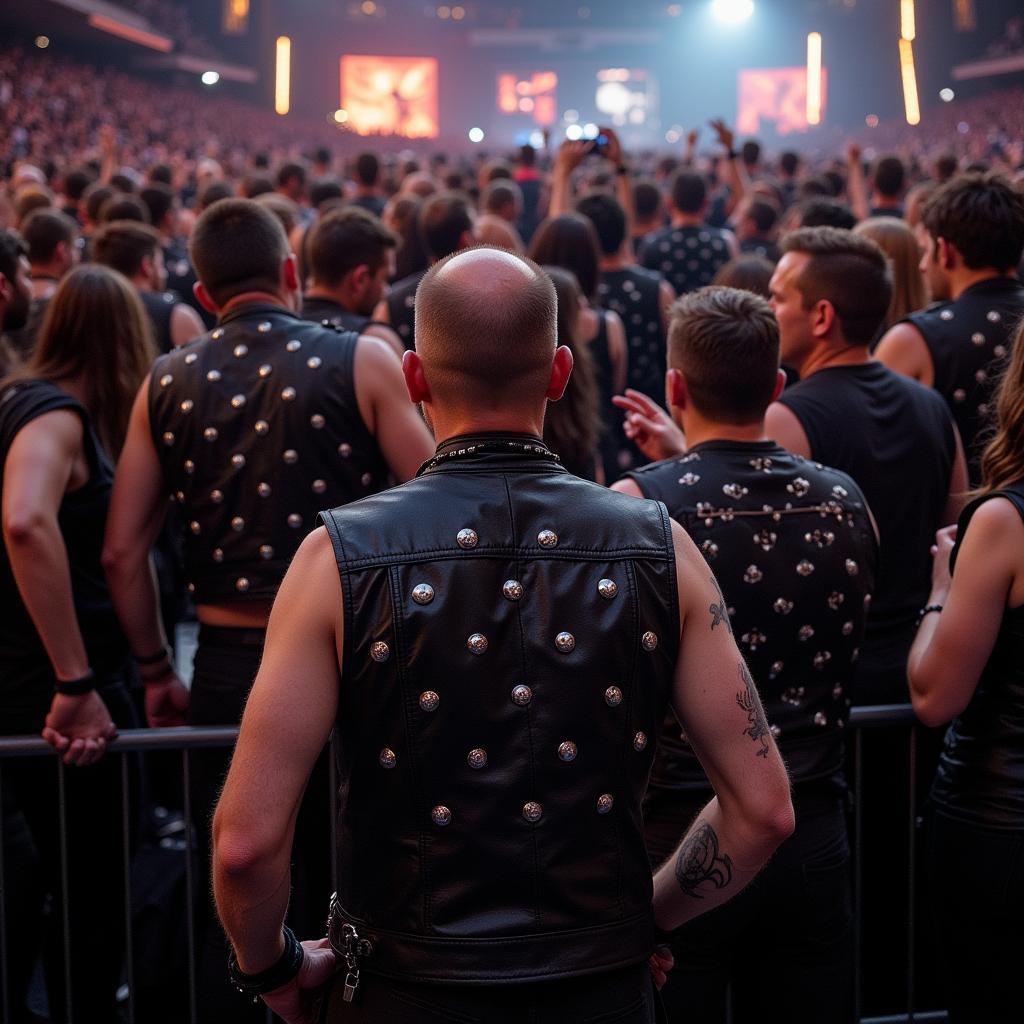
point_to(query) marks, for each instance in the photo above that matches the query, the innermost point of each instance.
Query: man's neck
(250, 298)
(698, 430)
(446, 427)
(614, 262)
(366, 191)
(963, 279)
(46, 272)
(885, 202)
(335, 295)
(826, 356)
(687, 220)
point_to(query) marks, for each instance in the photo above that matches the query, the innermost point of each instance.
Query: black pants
(976, 878)
(95, 871)
(785, 942)
(622, 996)
(225, 667)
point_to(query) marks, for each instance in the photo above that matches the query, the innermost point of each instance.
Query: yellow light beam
(911, 104)
(283, 76)
(814, 78)
(908, 23)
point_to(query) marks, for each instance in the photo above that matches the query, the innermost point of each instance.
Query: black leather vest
(256, 426)
(510, 638)
(333, 314)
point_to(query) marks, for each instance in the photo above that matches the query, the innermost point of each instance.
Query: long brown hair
(899, 243)
(571, 425)
(1003, 460)
(97, 334)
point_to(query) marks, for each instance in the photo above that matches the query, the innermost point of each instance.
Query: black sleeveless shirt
(635, 294)
(159, 306)
(401, 307)
(980, 777)
(330, 313)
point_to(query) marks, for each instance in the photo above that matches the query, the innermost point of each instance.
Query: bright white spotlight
(210, 78)
(732, 12)
(947, 95)
(574, 133)
(476, 135)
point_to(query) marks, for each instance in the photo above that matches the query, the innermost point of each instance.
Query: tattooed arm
(717, 703)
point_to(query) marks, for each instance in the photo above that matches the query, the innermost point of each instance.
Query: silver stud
(288, 395)
(237, 401)
(263, 490)
(265, 370)
(179, 496)
(261, 427)
(565, 642)
(567, 751)
(477, 643)
(240, 350)
(314, 362)
(521, 695)
(423, 593)
(547, 538)
(993, 316)
(238, 460)
(512, 589)
(290, 456)
(344, 450)
(977, 338)
(605, 802)
(317, 422)
(217, 334)
(532, 811)
(440, 815)
(319, 486)
(263, 326)
(366, 479)
(851, 567)
(166, 379)
(295, 520)
(380, 651)
(477, 758)
(805, 568)
(649, 641)
(210, 434)
(213, 376)
(238, 524)
(168, 438)
(190, 467)
(218, 554)
(946, 314)
(195, 527)
(639, 741)
(216, 496)
(467, 538)
(241, 584)
(266, 552)
(190, 587)
(429, 700)
(613, 696)
(293, 345)
(607, 589)
(191, 358)
(187, 406)
(388, 758)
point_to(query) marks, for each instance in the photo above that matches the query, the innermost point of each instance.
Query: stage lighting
(209, 78)
(947, 95)
(908, 21)
(283, 76)
(340, 115)
(574, 133)
(871, 120)
(732, 12)
(814, 78)
(476, 135)
(911, 105)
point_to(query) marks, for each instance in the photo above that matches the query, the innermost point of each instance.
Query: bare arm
(386, 410)
(717, 704)
(618, 351)
(570, 156)
(782, 425)
(649, 427)
(856, 187)
(385, 333)
(959, 484)
(380, 312)
(627, 485)
(666, 296)
(185, 325)
(736, 176)
(903, 349)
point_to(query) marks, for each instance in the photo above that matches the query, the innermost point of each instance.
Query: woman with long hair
(63, 658)
(967, 664)
(900, 245)
(571, 424)
(570, 242)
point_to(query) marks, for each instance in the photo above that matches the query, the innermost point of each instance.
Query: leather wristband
(286, 968)
(928, 608)
(76, 687)
(164, 654)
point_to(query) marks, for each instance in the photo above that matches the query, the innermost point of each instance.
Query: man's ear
(823, 318)
(415, 380)
(360, 276)
(204, 298)
(561, 371)
(676, 392)
(780, 384)
(290, 273)
(949, 254)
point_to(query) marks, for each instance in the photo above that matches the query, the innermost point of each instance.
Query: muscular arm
(385, 333)
(666, 296)
(903, 349)
(781, 425)
(380, 312)
(717, 703)
(959, 484)
(618, 351)
(185, 324)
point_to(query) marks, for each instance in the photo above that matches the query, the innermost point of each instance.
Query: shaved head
(486, 329)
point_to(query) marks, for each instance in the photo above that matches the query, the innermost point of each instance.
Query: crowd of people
(813, 364)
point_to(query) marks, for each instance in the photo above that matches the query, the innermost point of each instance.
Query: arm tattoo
(700, 861)
(757, 724)
(719, 613)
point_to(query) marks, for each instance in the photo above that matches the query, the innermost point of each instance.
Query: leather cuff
(286, 968)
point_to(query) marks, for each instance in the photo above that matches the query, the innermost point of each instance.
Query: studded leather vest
(510, 638)
(256, 426)
(333, 314)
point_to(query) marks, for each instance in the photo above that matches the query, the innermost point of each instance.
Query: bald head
(486, 328)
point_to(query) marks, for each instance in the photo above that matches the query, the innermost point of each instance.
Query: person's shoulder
(22, 401)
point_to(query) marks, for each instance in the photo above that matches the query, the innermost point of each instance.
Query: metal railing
(184, 740)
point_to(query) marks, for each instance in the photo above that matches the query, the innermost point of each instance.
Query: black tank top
(326, 312)
(895, 438)
(401, 306)
(980, 778)
(635, 294)
(159, 307)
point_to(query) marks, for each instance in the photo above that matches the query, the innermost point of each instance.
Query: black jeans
(976, 880)
(784, 944)
(623, 996)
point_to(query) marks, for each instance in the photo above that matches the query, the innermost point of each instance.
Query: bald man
(495, 645)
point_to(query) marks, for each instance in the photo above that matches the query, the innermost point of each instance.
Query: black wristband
(622, 169)
(927, 609)
(164, 654)
(286, 968)
(732, 154)
(76, 687)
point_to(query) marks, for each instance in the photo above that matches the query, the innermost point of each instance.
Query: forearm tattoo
(757, 724)
(719, 612)
(699, 861)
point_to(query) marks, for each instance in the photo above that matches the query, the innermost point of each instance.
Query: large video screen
(533, 93)
(390, 95)
(776, 95)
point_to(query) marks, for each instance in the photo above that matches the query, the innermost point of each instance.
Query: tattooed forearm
(757, 724)
(700, 861)
(719, 613)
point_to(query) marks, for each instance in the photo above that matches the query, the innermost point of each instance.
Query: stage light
(732, 12)
(672, 136)
(368, 7)
(340, 115)
(444, 13)
(947, 95)
(908, 23)
(476, 135)
(590, 130)
(42, 42)
(571, 116)
(814, 78)
(574, 133)
(911, 106)
(283, 76)
(458, 13)
(209, 78)
(871, 120)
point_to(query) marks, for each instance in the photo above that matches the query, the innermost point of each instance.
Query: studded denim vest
(256, 426)
(510, 637)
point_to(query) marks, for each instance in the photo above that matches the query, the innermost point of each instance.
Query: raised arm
(570, 156)
(856, 187)
(718, 706)
(736, 176)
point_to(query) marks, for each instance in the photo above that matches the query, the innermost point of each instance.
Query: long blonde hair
(899, 243)
(1002, 462)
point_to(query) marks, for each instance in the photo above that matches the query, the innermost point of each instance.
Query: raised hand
(649, 427)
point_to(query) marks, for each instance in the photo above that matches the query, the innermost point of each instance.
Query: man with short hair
(75, 183)
(887, 186)
(291, 182)
(134, 250)
(250, 430)
(959, 345)
(689, 252)
(445, 225)
(505, 651)
(15, 293)
(366, 174)
(648, 211)
(756, 219)
(780, 534)
(501, 206)
(351, 259)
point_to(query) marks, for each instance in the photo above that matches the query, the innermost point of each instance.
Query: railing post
(126, 853)
(858, 892)
(5, 995)
(62, 810)
(911, 871)
(190, 912)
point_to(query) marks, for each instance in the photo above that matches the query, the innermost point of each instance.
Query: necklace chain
(520, 447)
